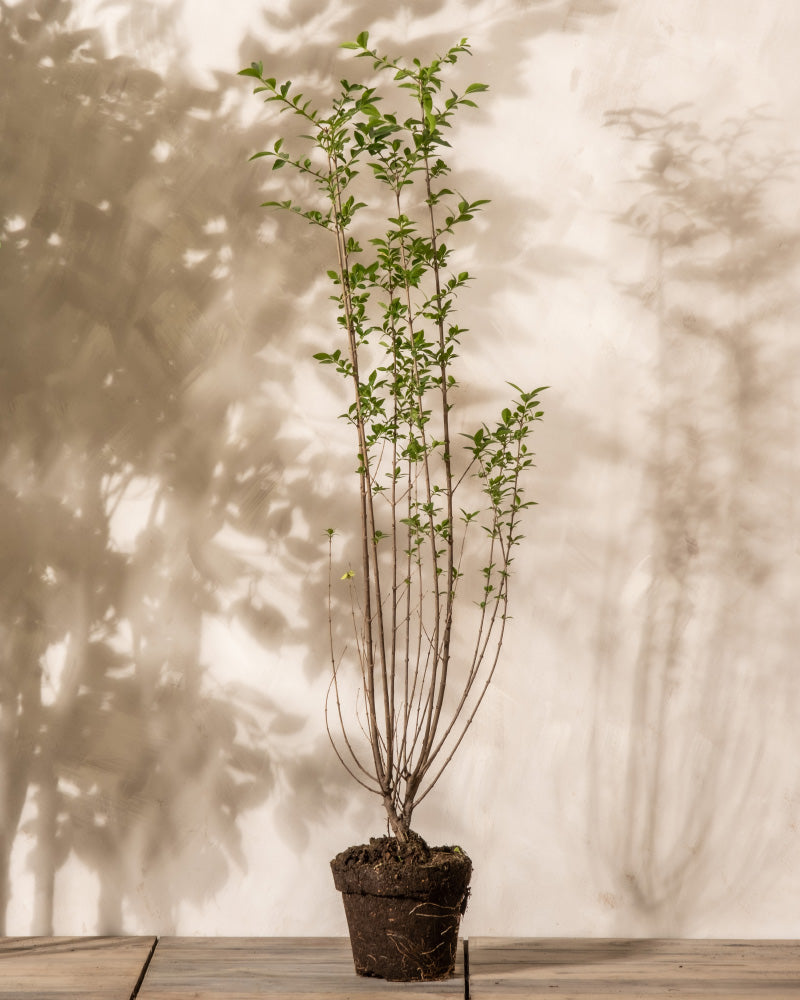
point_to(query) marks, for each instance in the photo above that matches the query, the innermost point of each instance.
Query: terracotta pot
(403, 915)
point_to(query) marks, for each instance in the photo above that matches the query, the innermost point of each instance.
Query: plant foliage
(381, 178)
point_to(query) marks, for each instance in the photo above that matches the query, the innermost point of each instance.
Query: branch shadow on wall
(693, 681)
(146, 436)
(156, 482)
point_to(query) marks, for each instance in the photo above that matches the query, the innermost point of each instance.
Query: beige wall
(168, 465)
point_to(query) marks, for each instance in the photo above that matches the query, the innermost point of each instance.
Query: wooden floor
(290, 968)
(172, 968)
(99, 968)
(585, 969)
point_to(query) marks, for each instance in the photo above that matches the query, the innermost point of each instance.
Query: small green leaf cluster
(502, 455)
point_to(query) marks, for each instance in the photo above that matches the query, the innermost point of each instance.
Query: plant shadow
(146, 436)
(691, 682)
(521, 956)
(160, 481)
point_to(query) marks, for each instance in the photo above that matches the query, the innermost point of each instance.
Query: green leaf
(476, 88)
(362, 39)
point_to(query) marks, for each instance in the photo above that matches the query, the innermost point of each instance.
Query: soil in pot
(403, 904)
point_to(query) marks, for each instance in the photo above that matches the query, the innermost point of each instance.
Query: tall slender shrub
(376, 162)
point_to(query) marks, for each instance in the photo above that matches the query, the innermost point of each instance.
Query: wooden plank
(593, 969)
(92, 968)
(290, 968)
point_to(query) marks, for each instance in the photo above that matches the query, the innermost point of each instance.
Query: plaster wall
(168, 465)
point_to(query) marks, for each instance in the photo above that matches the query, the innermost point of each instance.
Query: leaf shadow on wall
(693, 687)
(145, 438)
(153, 472)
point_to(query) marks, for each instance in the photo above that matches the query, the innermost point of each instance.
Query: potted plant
(438, 523)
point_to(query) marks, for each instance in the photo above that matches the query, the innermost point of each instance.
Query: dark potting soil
(385, 866)
(379, 849)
